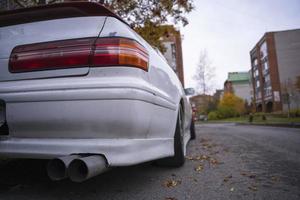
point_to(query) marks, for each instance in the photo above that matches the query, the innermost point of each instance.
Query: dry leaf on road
(170, 198)
(275, 178)
(171, 183)
(226, 179)
(214, 161)
(199, 168)
(253, 188)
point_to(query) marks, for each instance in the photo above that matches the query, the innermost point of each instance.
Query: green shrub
(213, 115)
(227, 112)
(259, 114)
(295, 113)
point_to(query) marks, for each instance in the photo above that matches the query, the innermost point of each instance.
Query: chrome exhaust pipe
(83, 168)
(57, 167)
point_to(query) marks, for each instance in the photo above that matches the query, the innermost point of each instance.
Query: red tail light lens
(51, 55)
(93, 52)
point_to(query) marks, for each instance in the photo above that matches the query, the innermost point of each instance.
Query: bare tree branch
(205, 74)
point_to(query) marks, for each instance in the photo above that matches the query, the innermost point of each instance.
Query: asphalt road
(224, 162)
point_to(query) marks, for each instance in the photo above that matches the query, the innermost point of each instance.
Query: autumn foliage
(229, 106)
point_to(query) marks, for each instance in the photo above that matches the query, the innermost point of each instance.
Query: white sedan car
(79, 87)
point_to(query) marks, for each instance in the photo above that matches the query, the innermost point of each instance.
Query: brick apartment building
(275, 69)
(239, 83)
(173, 53)
(201, 102)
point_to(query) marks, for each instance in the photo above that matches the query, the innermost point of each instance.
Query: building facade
(275, 69)
(173, 53)
(201, 103)
(239, 83)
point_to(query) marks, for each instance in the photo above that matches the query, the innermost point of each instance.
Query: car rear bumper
(128, 123)
(118, 152)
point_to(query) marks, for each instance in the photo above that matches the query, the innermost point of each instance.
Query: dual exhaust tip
(76, 167)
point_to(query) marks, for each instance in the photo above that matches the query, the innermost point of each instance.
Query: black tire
(192, 130)
(178, 159)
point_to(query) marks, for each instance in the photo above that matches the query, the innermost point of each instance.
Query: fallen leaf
(214, 161)
(189, 157)
(253, 188)
(170, 198)
(243, 173)
(199, 168)
(275, 178)
(171, 183)
(201, 157)
(226, 179)
(252, 176)
(248, 174)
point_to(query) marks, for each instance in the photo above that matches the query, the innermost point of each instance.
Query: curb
(286, 125)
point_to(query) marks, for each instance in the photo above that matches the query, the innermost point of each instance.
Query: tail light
(119, 51)
(93, 52)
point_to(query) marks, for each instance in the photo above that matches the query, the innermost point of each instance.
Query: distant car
(80, 87)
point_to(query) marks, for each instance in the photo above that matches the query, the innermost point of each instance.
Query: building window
(268, 91)
(254, 63)
(258, 95)
(263, 50)
(267, 81)
(265, 67)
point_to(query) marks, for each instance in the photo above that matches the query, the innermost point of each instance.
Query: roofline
(271, 32)
(238, 72)
(25, 15)
(296, 29)
(259, 41)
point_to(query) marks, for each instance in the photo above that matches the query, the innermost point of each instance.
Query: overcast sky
(229, 29)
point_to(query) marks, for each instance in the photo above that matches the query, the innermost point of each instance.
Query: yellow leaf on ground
(199, 168)
(171, 183)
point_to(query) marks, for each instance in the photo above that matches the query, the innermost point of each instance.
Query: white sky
(229, 29)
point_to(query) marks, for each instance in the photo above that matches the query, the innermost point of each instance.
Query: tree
(204, 74)
(231, 105)
(145, 16)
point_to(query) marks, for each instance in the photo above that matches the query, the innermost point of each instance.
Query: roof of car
(54, 11)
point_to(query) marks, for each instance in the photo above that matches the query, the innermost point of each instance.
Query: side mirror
(189, 91)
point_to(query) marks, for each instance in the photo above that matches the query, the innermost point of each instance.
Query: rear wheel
(192, 130)
(178, 159)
